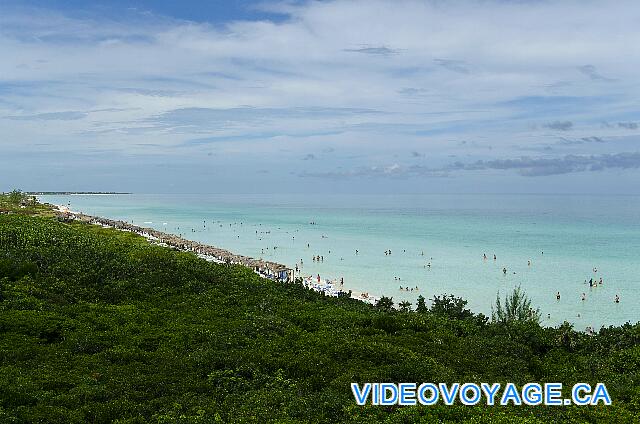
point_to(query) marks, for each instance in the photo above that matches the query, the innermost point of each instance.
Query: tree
(16, 197)
(405, 306)
(421, 305)
(450, 306)
(517, 308)
(566, 335)
(385, 304)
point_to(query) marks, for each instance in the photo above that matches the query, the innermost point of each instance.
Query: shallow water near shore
(576, 233)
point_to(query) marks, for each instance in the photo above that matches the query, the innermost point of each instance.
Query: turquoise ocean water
(576, 234)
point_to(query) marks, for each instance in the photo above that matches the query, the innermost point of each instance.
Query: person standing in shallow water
(558, 296)
(504, 271)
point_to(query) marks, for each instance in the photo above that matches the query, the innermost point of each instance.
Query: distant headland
(67, 193)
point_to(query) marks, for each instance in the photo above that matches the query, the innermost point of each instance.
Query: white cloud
(436, 72)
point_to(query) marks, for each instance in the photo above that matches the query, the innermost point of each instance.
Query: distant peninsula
(66, 193)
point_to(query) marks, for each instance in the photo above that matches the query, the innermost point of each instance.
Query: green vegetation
(18, 202)
(517, 308)
(98, 325)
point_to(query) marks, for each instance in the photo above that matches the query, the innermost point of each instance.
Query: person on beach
(318, 278)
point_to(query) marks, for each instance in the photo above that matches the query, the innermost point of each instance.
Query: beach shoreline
(437, 247)
(266, 269)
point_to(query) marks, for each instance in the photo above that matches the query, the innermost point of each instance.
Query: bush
(517, 308)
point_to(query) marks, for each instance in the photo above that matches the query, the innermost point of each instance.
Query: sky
(320, 96)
